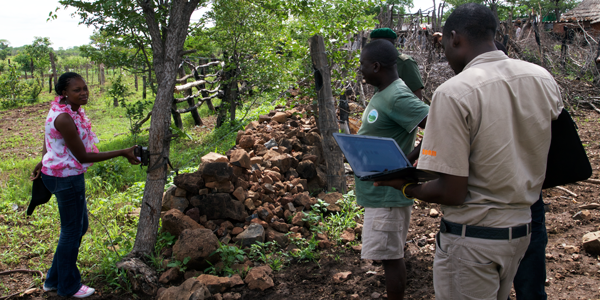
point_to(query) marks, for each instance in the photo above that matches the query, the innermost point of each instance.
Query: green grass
(114, 190)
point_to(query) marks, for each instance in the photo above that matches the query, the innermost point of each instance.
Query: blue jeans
(70, 195)
(531, 275)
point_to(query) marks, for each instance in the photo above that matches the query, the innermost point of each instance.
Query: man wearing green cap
(408, 70)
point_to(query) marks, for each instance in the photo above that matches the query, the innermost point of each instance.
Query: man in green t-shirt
(393, 112)
(407, 67)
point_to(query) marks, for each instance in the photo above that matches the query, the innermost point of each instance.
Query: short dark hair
(63, 82)
(381, 51)
(475, 21)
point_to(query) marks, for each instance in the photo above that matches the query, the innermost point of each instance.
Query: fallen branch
(566, 191)
(179, 100)
(592, 180)
(594, 107)
(200, 101)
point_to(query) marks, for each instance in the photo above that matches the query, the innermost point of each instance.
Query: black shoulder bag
(567, 160)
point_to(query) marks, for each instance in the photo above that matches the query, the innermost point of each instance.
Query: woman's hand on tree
(36, 171)
(129, 154)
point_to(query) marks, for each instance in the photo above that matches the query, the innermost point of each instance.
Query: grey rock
(254, 233)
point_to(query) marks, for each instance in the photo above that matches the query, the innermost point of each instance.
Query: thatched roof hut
(586, 11)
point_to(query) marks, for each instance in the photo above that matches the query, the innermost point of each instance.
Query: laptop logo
(372, 117)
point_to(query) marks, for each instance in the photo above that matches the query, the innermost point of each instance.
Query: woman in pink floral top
(69, 149)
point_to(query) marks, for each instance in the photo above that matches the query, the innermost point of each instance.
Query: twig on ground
(566, 191)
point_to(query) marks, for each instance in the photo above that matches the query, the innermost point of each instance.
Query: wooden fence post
(327, 117)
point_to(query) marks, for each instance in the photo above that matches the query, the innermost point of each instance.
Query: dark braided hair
(63, 82)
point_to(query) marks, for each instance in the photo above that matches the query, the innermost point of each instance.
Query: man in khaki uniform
(488, 136)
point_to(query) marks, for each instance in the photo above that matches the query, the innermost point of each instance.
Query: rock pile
(255, 193)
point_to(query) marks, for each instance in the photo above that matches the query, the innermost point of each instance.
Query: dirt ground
(572, 273)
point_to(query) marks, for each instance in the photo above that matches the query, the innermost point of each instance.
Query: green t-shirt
(408, 70)
(395, 113)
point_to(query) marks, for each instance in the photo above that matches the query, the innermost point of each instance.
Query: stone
(169, 275)
(214, 157)
(321, 177)
(306, 169)
(583, 215)
(232, 296)
(341, 276)
(302, 199)
(259, 278)
(194, 214)
(240, 158)
(272, 235)
(375, 295)
(191, 182)
(246, 142)
(331, 199)
(282, 161)
(191, 274)
(357, 248)
(433, 213)
(179, 192)
(236, 280)
(216, 171)
(358, 229)
(590, 206)
(265, 214)
(160, 291)
(197, 244)
(279, 117)
(257, 160)
(260, 222)
(236, 230)
(220, 186)
(591, 242)
(179, 203)
(280, 226)
(167, 197)
(221, 206)
(254, 233)
(252, 125)
(297, 219)
(264, 118)
(270, 144)
(249, 204)
(240, 194)
(175, 222)
(203, 192)
(347, 235)
(214, 284)
(211, 225)
(190, 289)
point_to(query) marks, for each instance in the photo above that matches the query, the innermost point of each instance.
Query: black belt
(485, 232)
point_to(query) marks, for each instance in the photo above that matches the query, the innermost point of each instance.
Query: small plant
(178, 264)
(350, 213)
(230, 255)
(316, 215)
(307, 249)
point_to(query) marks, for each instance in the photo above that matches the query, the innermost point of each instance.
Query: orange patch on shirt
(428, 152)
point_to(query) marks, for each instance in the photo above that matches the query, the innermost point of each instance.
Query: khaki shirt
(491, 123)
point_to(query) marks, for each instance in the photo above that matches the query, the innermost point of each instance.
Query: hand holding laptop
(397, 183)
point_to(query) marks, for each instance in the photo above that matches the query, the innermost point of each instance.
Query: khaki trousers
(473, 268)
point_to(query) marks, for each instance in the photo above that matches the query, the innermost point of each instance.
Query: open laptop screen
(369, 155)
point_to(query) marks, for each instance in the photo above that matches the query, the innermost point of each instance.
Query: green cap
(384, 33)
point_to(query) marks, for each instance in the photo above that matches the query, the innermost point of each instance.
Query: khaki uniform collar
(486, 57)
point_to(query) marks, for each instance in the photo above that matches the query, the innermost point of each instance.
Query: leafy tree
(4, 49)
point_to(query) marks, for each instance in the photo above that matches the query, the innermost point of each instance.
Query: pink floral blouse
(59, 161)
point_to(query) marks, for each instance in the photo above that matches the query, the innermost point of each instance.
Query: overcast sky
(22, 20)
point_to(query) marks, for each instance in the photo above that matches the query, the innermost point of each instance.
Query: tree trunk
(101, 77)
(53, 65)
(143, 87)
(87, 73)
(31, 67)
(327, 117)
(135, 78)
(166, 52)
(50, 84)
